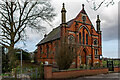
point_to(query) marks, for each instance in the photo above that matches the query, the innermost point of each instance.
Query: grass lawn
(115, 62)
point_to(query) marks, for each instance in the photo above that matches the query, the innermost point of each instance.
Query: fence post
(47, 71)
(36, 72)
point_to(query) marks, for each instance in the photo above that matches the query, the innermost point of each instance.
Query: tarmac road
(109, 76)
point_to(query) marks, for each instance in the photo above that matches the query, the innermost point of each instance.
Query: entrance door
(83, 57)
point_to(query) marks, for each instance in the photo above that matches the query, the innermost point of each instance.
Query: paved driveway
(109, 76)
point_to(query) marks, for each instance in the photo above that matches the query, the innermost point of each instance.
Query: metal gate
(110, 65)
(27, 74)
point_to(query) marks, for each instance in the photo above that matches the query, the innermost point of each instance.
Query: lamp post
(21, 63)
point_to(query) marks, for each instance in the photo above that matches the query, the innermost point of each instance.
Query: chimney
(45, 35)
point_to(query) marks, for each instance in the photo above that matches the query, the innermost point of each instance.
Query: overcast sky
(109, 24)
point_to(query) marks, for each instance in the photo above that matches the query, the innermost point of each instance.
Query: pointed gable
(79, 18)
(82, 13)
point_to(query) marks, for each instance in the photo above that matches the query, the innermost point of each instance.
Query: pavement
(109, 76)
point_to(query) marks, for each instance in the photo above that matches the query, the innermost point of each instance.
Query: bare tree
(16, 16)
(65, 54)
(96, 4)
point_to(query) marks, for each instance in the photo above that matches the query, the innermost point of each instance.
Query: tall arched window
(83, 35)
(80, 38)
(40, 49)
(47, 50)
(72, 49)
(86, 38)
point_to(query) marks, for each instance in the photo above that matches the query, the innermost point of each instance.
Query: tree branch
(5, 36)
(4, 45)
(5, 41)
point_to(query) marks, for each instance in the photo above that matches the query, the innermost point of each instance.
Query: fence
(27, 74)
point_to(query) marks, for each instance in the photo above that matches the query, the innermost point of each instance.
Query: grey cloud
(109, 27)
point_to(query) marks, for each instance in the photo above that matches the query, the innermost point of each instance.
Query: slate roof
(54, 34)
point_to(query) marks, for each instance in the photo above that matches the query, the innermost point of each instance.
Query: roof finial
(63, 5)
(63, 8)
(83, 6)
(98, 19)
(98, 16)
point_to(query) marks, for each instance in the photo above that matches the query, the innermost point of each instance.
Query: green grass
(115, 62)
(104, 63)
(28, 65)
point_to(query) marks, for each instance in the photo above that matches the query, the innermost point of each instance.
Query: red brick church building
(79, 31)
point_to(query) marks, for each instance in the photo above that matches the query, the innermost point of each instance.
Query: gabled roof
(54, 34)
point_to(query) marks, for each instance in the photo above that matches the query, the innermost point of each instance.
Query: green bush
(6, 66)
(25, 55)
(41, 71)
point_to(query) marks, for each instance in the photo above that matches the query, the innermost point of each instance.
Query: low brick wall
(116, 69)
(78, 73)
(74, 73)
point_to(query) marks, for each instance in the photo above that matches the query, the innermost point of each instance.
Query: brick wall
(71, 74)
(78, 73)
(116, 69)
(47, 71)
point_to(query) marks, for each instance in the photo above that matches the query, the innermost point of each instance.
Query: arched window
(83, 35)
(71, 39)
(40, 49)
(87, 39)
(80, 38)
(84, 19)
(72, 49)
(95, 42)
(47, 49)
(96, 52)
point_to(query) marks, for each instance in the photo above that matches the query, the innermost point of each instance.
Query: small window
(72, 49)
(47, 49)
(96, 52)
(71, 39)
(40, 49)
(95, 42)
(84, 19)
